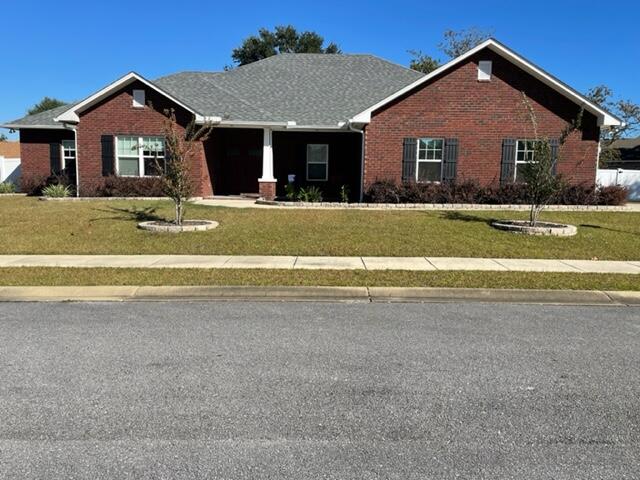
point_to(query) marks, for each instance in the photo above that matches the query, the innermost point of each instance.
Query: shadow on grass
(465, 217)
(599, 227)
(145, 214)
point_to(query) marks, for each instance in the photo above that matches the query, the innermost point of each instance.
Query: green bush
(56, 191)
(344, 193)
(7, 187)
(310, 194)
(290, 192)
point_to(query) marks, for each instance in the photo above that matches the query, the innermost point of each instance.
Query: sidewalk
(321, 263)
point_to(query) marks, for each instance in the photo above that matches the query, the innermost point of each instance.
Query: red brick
(480, 115)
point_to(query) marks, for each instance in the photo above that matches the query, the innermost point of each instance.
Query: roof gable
(604, 118)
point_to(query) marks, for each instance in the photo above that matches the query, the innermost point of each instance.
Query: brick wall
(34, 150)
(116, 116)
(480, 115)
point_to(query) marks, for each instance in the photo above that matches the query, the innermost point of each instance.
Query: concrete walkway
(321, 263)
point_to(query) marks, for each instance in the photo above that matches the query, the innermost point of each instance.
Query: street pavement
(186, 390)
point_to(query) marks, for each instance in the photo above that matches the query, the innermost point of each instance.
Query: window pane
(422, 154)
(437, 144)
(429, 171)
(151, 168)
(317, 153)
(317, 171)
(127, 146)
(422, 143)
(153, 145)
(520, 173)
(128, 166)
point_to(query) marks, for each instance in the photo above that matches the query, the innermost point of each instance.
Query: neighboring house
(10, 162)
(629, 154)
(330, 120)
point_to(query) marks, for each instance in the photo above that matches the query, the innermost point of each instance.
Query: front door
(239, 161)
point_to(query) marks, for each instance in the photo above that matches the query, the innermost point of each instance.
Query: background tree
(626, 110)
(180, 147)
(422, 62)
(542, 183)
(454, 44)
(284, 39)
(3, 137)
(47, 103)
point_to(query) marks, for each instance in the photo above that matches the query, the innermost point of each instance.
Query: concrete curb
(332, 294)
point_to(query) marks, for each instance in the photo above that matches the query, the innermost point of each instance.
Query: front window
(524, 154)
(137, 156)
(69, 155)
(429, 161)
(317, 162)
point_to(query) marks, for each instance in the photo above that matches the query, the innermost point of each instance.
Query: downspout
(75, 142)
(361, 132)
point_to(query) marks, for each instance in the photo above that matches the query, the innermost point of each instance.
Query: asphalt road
(319, 390)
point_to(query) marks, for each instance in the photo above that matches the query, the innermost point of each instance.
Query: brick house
(330, 120)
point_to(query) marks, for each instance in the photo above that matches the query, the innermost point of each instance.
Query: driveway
(318, 390)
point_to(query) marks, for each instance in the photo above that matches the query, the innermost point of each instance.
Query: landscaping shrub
(57, 191)
(7, 187)
(115, 186)
(310, 194)
(613, 195)
(384, 191)
(34, 184)
(469, 191)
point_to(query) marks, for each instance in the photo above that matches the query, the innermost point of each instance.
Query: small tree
(180, 148)
(626, 110)
(542, 182)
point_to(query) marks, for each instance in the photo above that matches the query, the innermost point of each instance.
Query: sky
(70, 49)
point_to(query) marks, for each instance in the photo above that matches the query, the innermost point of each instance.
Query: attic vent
(484, 70)
(138, 98)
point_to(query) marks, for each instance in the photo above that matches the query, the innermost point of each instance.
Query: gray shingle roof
(309, 89)
(43, 118)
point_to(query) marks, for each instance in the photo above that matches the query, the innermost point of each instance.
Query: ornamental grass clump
(57, 191)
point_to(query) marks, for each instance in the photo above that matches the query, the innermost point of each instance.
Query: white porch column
(267, 157)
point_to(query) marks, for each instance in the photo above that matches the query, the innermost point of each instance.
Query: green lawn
(142, 276)
(29, 226)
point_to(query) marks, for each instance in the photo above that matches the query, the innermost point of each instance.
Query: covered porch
(263, 160)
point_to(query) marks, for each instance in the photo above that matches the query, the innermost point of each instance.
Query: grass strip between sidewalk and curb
(56, 276)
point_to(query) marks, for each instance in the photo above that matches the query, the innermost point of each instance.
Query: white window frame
(67, 145)
(139, 155)
(425, 160)
(325, 162)
(523, 141)
(139, 98)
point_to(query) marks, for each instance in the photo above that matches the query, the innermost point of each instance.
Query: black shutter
(554, 143)
(54, 158)
(409, 158)
(507, 170)
(107, 155)
(450, 159)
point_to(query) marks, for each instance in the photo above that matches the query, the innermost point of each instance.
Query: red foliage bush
(469, 191)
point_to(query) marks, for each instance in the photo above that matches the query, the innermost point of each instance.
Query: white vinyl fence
(10, 170)
(625, 178)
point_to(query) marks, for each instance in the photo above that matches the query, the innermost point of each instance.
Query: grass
(29, 226)
(135, 276)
